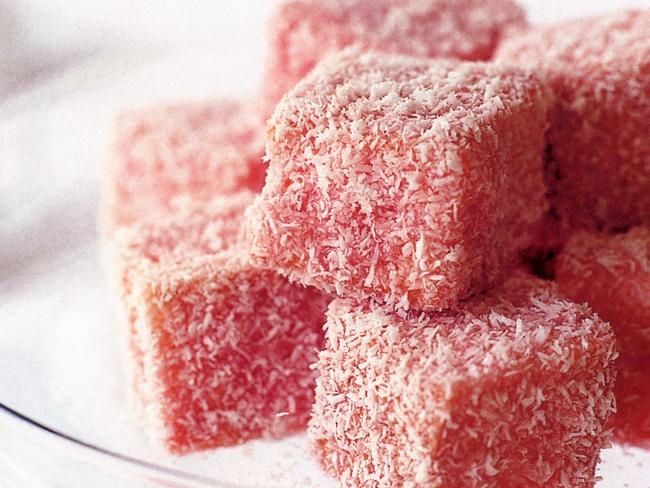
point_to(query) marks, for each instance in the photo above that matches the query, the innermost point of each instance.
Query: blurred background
(39, 39)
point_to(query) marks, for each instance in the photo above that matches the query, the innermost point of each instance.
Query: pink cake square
(221, 350)
(202, 150)
(509, 390)
(612, 273)
(413, 182)
(302, 32)
(599, 154)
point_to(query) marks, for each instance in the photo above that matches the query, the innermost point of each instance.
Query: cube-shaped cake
(512, 389)
(200, 150)
(302, 32)
(221, 350)
(599, 150)
(612, 273)
(413, 182)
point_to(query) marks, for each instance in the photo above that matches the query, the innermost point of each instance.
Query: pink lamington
(599, 68)
(612, 273)
(302, 32)
(512, 389)
(414, 182)
(221, 350)
(198, 149)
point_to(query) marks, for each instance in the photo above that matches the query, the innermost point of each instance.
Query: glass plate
(64, 418)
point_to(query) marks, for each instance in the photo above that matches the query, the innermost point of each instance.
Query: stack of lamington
(421, 155)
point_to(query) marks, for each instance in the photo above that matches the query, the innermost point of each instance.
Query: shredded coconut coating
(413, 182)
(599, 68)
(302, 32)
(202, 150)
(612, 273)
(192, 232)
(509, 390)
(221, 350)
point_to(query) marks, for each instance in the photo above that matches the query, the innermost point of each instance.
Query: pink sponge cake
(612, 273)
(222, 350)
(202, 150)
(599, 155)
(302, 32)
(413, 182)
(512, 389)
